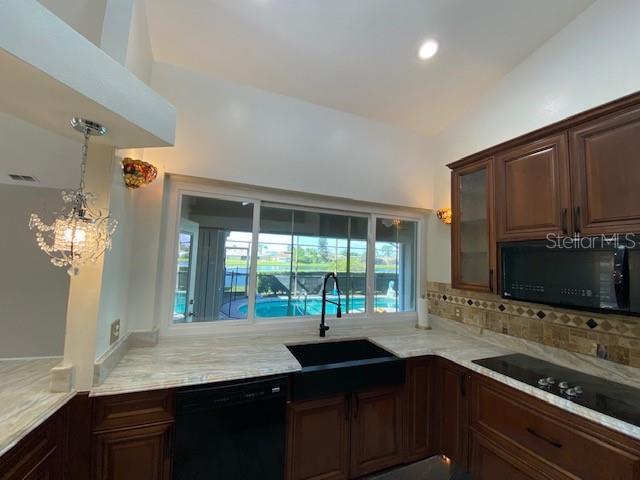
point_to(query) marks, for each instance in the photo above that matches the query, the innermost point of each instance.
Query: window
(214, 257)
(221, 275)
(296, 248)
(395, 265)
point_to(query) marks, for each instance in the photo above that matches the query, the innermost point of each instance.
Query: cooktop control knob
(563, 385)
(551, 380)
(573, 392)
(543, 382)
(578, 389)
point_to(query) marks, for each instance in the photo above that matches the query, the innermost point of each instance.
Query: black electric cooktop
(610, 398)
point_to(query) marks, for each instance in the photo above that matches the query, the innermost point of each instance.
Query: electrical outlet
(458, 313)
(115, 331)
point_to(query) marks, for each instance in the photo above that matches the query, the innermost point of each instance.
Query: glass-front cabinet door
(473, 247)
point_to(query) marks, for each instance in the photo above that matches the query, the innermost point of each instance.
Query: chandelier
(77, 235)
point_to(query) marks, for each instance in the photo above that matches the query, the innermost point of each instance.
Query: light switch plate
(115, 331)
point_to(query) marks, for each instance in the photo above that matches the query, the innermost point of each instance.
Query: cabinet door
(453, 384)
(376, 430)
(533, 190)
(39, 455)
(418, 409)
(317, 440)
(605, 164)
(142, 453)
(472, 238)
(491, 463)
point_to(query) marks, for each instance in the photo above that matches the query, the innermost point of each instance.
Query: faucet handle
(323, 329)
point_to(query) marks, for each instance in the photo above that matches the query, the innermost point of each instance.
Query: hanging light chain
(83, 164)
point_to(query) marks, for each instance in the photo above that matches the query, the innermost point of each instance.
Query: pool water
(281, 307)
(267, 307)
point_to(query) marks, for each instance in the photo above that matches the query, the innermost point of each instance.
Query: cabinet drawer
(558, 438)
(132, 409)
(37, 452)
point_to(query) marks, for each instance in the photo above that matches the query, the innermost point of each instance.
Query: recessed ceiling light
(428, 49)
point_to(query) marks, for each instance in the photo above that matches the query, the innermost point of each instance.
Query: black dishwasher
(231, 431)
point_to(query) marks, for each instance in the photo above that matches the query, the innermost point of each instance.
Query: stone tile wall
(614, 337)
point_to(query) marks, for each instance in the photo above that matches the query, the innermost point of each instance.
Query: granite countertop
(186, 361)
(25, 398)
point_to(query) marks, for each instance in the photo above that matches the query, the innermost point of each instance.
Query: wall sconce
(444, 215)
(137, 173)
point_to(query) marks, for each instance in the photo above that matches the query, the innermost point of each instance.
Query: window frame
(258, 196)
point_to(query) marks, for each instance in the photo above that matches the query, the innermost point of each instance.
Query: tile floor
(434, 468)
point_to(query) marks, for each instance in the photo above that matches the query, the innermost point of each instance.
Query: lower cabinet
(318, 439)
(453, 386)
(491, 462)
(376, 431)
(141, 453)
(132, 436)
(40, 455)
(524, 431)
(420, 431)
(345, 436)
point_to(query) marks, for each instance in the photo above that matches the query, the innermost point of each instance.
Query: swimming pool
(268, 307)
(281, 307)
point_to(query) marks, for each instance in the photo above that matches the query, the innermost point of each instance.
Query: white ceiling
(359, 56)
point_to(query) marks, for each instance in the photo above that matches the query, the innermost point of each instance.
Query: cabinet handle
(578, 220)
(565, 230)
(551, 442)
(491, 280)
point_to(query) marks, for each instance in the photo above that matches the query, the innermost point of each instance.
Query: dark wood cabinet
(553, 442)
(578, 176)
(472, 228)
(376, 430)
(453, 411)
(492, 462)
(419, 392)
(131, 436)
(141, 453)
(318, 439)
(40, 455)
(605, 163)
(533, 190)
(344, 437)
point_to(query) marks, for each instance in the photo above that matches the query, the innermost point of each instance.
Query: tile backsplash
(614, 337)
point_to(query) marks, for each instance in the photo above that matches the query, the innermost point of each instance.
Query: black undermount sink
(343, 367)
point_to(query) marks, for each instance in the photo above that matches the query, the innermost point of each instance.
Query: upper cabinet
(472, 226)
(533, 190)
(579, 176)
(605, 165)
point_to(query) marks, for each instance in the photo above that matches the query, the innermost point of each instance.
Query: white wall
(139, 54)
(237, 133)
(115, 290)
(33, 292)
(595, 59)
(84, 16)
(128, 278)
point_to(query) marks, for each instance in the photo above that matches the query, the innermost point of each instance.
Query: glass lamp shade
(445, 215)
(137, 173)
(76, 236)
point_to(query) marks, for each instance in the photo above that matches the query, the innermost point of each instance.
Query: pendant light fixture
(77, 235)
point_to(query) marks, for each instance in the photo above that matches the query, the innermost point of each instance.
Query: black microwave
(591, 274)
